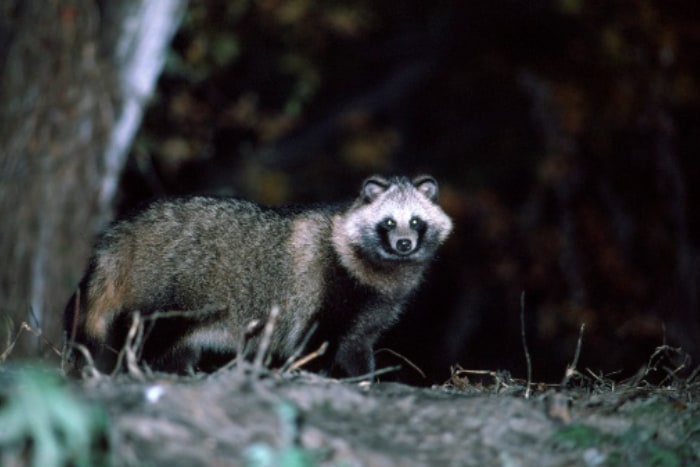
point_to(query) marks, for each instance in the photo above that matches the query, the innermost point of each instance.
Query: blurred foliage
(241, 74)
(290, 453)
(43, 425)
(635, 445)
(563, 134)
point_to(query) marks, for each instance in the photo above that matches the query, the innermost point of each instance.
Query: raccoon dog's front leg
(355, 354)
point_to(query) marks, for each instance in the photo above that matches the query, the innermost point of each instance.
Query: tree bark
(64, 91)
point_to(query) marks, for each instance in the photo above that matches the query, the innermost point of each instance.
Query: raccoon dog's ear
(373, 187)
(426, 185)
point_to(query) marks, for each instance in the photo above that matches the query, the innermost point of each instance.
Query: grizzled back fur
(226, 263)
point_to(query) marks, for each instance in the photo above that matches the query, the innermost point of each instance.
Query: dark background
(563, 134)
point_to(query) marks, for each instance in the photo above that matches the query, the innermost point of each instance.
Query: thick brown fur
(348, 269)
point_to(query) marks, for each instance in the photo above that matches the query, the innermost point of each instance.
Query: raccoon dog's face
(398, 220)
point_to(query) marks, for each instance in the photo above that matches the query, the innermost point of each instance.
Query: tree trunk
(67, 117)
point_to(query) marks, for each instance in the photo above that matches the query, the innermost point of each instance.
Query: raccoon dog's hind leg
(103, 354)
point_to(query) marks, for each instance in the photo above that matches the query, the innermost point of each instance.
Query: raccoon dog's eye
(416, 222)
(389, 223)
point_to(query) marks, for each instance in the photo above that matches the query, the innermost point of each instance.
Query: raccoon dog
(347, 270)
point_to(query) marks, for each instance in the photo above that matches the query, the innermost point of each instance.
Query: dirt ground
(247, 416)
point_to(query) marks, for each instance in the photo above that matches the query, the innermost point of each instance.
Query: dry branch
(528, 360)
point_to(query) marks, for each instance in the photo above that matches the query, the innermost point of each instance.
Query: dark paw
(356, 361)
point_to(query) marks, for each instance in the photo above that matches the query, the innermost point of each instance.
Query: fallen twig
(36, 333)
(371, 375)
(571, 368)
(308, 357)
(300, 348)
(528, 361)
(132, 347)
(410, 363)
(457, 378)
(266, 339)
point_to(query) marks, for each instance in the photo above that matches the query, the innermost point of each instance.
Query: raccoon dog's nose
(404, 245)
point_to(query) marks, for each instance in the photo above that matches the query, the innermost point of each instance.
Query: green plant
(289, 453)
(43, 424)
